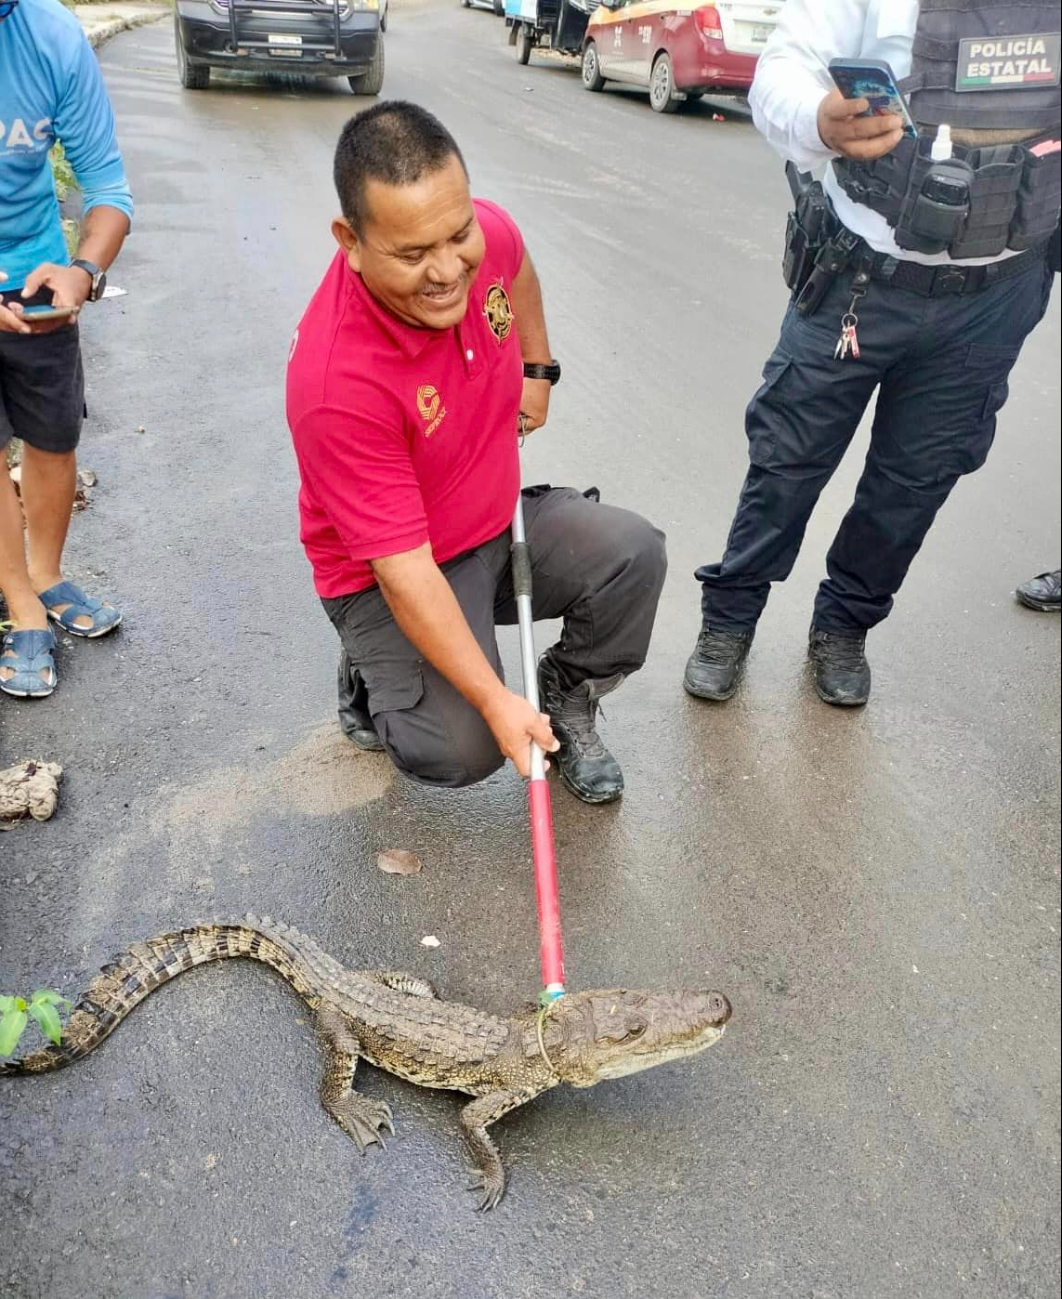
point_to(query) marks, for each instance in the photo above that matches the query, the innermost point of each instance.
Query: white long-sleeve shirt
(792, 79)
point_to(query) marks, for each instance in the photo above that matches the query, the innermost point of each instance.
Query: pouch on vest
(999, 93)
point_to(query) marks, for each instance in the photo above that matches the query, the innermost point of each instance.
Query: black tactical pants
(941, 366)
(599, 568)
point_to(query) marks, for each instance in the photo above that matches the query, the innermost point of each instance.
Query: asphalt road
(876, 891)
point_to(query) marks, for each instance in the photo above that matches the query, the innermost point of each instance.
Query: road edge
(102, 33)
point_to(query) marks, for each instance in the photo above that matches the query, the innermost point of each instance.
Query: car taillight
(708, 22)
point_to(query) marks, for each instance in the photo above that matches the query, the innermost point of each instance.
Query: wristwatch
(552, 372)
(98, 277)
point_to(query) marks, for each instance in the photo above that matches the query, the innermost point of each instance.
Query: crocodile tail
(134, 974)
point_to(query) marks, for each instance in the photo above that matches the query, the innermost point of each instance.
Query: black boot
(717, 663)
(842, 673)
(1043, 593)
(586, 766)
(354, 719)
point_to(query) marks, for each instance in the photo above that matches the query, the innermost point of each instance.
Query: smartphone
(32, 314)
(872, 80)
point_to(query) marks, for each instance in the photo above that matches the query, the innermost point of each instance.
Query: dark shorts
(42, 389)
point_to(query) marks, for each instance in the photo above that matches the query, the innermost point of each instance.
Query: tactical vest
(990, 70)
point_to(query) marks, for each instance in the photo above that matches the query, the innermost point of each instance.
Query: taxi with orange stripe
(676, 53)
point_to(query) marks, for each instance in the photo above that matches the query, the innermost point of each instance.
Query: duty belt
(946, 280)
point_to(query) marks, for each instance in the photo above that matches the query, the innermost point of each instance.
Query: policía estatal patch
(990, 63)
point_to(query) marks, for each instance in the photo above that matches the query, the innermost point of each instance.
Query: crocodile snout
(719, 1008)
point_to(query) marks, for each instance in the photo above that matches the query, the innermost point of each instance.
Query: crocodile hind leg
(475, 1119)
(360, 1117)
(400, 981)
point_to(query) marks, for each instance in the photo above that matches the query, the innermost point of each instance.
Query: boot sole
(716, 696)
(840, 703)
(1041, 606)
(593, 799)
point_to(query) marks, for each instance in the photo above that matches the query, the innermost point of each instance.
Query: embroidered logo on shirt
(432, 411)
(499, 312)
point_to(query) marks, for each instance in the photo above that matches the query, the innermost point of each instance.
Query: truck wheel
(525, 43)
(662, 86)
(194, 76)
(592, 78)
(370, 82)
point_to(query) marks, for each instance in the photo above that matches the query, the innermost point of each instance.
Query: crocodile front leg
(360, 1117)
(475, 1119)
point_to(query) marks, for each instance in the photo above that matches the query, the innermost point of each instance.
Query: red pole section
(550, 950)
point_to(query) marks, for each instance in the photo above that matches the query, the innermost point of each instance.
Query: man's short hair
(396, 143)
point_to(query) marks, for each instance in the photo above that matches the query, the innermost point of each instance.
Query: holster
(834, 257)
(809, 226)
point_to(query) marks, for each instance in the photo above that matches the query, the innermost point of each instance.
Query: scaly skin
(396, 1021)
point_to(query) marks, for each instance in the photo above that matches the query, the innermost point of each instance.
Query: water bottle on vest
(988, 72)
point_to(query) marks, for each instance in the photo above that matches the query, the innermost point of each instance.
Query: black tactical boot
(586, 766)
(717, 663)
(842, 673)
(354, 717)
(1043, 593)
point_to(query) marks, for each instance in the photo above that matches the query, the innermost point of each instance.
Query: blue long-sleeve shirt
(50, 88)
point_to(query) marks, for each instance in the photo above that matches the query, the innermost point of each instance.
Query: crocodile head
(592, 1036)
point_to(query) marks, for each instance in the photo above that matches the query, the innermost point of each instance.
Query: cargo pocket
(398, 694)
(992, 365)
(391, 707)
(761, 419)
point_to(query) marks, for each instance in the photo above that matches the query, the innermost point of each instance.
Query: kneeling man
(420, 356)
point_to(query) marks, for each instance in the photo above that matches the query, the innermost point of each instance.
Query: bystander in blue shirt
(50, 89)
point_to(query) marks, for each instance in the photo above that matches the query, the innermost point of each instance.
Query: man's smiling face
(420, 246)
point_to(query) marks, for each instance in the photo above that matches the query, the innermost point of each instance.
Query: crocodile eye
(633, 1033)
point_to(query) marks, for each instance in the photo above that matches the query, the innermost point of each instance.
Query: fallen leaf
(396, 861)
(429, 940)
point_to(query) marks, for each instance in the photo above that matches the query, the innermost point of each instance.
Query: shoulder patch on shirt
(498, 311)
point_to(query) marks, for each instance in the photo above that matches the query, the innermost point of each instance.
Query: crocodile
(397, 1022)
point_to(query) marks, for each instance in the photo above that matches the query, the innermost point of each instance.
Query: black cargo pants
(941, 366)
(598, 567)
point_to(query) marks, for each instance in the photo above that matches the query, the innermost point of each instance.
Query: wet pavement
(877, 892)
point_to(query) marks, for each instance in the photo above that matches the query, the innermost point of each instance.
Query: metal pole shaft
(550, 950)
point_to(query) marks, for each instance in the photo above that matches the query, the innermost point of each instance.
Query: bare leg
(24, 609)
(359, 1116)
(475, 1119)
(49, 480)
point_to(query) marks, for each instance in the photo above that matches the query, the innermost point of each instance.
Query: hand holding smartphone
(31, 315)
(866, 116)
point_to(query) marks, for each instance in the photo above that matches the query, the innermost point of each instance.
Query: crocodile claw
(362, 1119)
(492, 1184)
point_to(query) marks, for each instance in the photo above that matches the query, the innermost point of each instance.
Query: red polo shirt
(405, 435)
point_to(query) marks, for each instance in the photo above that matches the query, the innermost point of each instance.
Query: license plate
(761, 33)
(287, 44)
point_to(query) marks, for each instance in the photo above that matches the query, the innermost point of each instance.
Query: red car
(676, 53)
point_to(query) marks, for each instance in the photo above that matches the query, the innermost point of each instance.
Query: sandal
(76, 604)
(29, 655)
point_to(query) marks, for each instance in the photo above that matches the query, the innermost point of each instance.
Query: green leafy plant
(65, 184)
(16, 1012)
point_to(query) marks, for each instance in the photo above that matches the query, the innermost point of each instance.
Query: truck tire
(525, 43)
(592, 78)
(194, 76)
(370, 82)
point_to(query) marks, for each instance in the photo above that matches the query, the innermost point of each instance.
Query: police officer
(918, 275)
